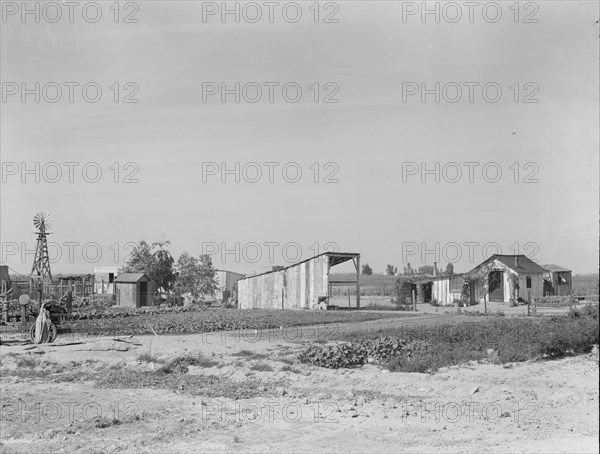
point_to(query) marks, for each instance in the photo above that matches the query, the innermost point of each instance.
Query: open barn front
(303, 285)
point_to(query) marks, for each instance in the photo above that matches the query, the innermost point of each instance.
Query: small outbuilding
(557, 281)
(133, 290)
(444, 290)
(104, 278)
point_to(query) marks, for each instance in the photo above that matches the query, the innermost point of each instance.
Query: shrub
(182, 363)
(261, 367)
(149, 358)
(352, 354)
(403, 291)
(288, 368)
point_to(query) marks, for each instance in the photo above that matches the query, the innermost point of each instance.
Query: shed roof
(130, 277)
(554, 268)
(426, 279)
(336, 259)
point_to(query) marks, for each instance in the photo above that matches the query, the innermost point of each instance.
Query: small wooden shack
(445, 290)
(133, 290)
(557, 281)
(502, 278)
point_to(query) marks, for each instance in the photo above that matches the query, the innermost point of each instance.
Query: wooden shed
(557, 281)
(303, 285)
(444, 289)
(133, 290)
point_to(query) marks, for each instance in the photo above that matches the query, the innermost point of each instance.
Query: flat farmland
(224, 392)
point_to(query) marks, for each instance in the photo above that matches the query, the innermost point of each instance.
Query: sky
(155, 153)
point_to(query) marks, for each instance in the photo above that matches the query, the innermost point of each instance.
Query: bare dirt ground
(84, 395)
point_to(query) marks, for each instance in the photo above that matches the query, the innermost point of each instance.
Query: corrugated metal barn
(304, 285)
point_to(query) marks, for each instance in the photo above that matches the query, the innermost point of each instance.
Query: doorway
(496, 286)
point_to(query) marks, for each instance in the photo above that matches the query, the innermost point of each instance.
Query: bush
(383, 349)
(429, 348)
(182, 363)
(261, 367)
(403, 292)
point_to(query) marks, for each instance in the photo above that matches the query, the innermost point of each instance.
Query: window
(528, 281)
(456, 284)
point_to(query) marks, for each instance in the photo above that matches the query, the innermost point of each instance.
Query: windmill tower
(41, 262)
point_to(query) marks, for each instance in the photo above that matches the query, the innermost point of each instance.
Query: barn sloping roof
(335, 259)
(523, 263)
(129, 277)
(554, 268)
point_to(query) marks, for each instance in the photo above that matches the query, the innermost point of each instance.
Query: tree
(366, 270)
(391, 270)
(156, 264)
(408, 269)
(425, 269)
(403, 291)
(195, 275)
(450, 268)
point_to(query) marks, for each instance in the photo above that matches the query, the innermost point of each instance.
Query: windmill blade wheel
(42, 220)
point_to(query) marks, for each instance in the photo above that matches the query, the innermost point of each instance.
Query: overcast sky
(371, 58)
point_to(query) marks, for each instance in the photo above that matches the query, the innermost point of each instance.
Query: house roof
(518, 263)
(554, 268)
(427, 279)
(129, 277)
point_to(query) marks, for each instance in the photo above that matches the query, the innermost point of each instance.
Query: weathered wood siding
(297, 287)
(440, 291)
(479, 288)
(127, 294)
(537, 287)
(561, 289)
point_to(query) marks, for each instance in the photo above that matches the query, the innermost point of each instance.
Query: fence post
(414, 301)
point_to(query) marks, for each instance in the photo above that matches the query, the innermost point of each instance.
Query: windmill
(41, 262)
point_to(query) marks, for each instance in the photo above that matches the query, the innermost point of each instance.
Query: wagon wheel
(53, 334)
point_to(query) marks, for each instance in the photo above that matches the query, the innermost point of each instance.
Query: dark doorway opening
(496, 286)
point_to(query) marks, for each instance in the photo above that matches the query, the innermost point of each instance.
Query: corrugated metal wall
(297, 287)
